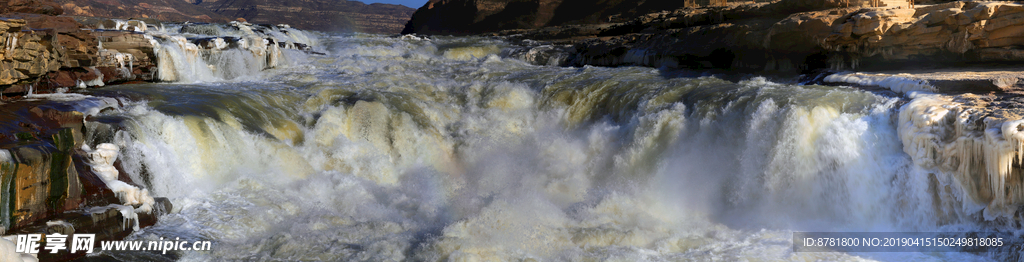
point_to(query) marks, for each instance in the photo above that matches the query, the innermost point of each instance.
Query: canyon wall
(796, 36)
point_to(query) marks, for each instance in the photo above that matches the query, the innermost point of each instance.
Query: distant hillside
(165, 10)
(461, 17)
(325, 15)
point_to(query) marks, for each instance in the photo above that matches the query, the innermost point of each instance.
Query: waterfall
(450, 149)
(210, 52)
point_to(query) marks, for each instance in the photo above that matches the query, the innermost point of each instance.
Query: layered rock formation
(28, 54)
(975, 31)
(43, 53)
(323, 15)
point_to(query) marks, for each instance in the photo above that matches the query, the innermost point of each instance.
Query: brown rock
(45, 7)
(44, 181)
(61, 24)
(164, 10)
(28, 54)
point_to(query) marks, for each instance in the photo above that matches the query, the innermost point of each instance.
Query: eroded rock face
(35, 47)
(27, 53)
(973, 31)
(796, 35)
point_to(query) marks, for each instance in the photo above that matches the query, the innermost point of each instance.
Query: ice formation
(102, 162)
(129, 215)
(129, 25)
(953, 138)
(897, 83)
(12, 41)
(123, 58)
(7, 254)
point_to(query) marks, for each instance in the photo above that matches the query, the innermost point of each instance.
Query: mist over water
(392, 149)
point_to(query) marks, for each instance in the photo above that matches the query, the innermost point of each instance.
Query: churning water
(389, 149)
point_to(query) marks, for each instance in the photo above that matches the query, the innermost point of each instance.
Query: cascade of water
(405, 149)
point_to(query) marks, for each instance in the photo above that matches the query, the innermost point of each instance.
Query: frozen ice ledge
(972, 144)
(966, 126)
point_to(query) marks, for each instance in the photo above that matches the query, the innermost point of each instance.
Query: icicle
(13, 42)
(924, 125)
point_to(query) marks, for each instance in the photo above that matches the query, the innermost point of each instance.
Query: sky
(409, 3)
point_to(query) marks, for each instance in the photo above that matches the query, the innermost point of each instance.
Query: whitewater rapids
(392, 149)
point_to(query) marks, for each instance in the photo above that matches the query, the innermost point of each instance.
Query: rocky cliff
(35, 45)
(324, 15)
(794, 36)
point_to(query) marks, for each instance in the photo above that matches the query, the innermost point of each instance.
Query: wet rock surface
(48, 184)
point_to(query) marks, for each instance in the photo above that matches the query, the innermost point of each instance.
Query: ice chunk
(102, 161)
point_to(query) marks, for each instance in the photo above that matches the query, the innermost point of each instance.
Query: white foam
(897, 83)
(180, 60)
(496, 159)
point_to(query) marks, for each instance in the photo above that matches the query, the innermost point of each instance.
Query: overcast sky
(409, 3)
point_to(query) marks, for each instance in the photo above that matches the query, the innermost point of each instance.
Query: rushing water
(403, 149)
